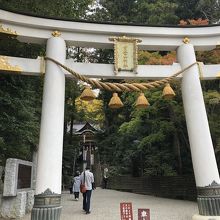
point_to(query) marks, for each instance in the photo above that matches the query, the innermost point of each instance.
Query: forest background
(151, 141)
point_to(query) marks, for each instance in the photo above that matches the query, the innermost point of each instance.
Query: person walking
(105, 178)
(76, 185)
(87, 178)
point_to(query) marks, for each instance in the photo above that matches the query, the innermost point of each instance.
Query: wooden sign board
(126, 211)
(126, 56)
(143, 214)
(125, 53)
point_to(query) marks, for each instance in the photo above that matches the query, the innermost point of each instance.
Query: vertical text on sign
(126, 211)
(143, 214)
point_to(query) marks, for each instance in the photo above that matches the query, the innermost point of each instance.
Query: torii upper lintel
(38, 30)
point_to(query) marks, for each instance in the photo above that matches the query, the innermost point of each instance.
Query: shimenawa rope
(120, 87)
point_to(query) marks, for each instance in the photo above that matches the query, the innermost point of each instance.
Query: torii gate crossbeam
(36, 67)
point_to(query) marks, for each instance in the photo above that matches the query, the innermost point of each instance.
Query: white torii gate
(38, 30)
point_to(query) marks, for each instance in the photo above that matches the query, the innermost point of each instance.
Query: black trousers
(105, 180)
(76, 194)
(86, 200)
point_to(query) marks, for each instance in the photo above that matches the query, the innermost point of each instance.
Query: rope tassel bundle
(87, 94)
(115, 101)
(168, 92)
(142, 101)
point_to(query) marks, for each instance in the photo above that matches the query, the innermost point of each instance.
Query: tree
(196, 22)
(20, 102)
(26, 92)
(73, 9)
(137, 11)
(155, 58)
(91, 111)
(19, 118)
(156, 12)
(210, 10)
(188, 9)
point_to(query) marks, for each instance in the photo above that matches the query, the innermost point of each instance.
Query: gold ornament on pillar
(168, 92)
(56, 34)
(142, 101)
(87, 94)
(115, 101)
(186, 40)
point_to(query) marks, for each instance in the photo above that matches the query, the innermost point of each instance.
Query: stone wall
(1, 182)
(177, 187)
(17, 206)
(18, 194)
(11, 180)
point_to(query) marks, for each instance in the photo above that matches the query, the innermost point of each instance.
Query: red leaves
(196, 22)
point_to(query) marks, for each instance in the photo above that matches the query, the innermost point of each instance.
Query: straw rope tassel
(142, 101)
(87, 94)
(168, 92)
(115, 101)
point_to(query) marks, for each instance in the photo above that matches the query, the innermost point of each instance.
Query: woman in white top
(76, 185)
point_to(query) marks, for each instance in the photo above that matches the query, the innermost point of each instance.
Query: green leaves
(50, 8)
(210, 9)
(19, 118)
(138, 11)
(157, 12)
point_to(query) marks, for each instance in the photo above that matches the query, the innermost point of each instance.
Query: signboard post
(143, 214)
(126, 211)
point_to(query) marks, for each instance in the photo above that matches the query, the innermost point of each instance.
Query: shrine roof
(84, 127)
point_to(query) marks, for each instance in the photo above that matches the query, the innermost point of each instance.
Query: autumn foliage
(155, 58)
(196, 22)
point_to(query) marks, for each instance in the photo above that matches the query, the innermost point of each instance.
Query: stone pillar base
(51, 213)
(47, 206)
(209, 200)
(202, 217)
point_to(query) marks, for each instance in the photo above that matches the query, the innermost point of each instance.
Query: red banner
(126, 211)
(143, 214)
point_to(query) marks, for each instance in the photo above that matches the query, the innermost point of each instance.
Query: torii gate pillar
(47, 201)
(203, 156)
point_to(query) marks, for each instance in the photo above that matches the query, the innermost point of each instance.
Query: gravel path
(105, 206)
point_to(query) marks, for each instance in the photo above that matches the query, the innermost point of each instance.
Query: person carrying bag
(82, 185)
(86, 187)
